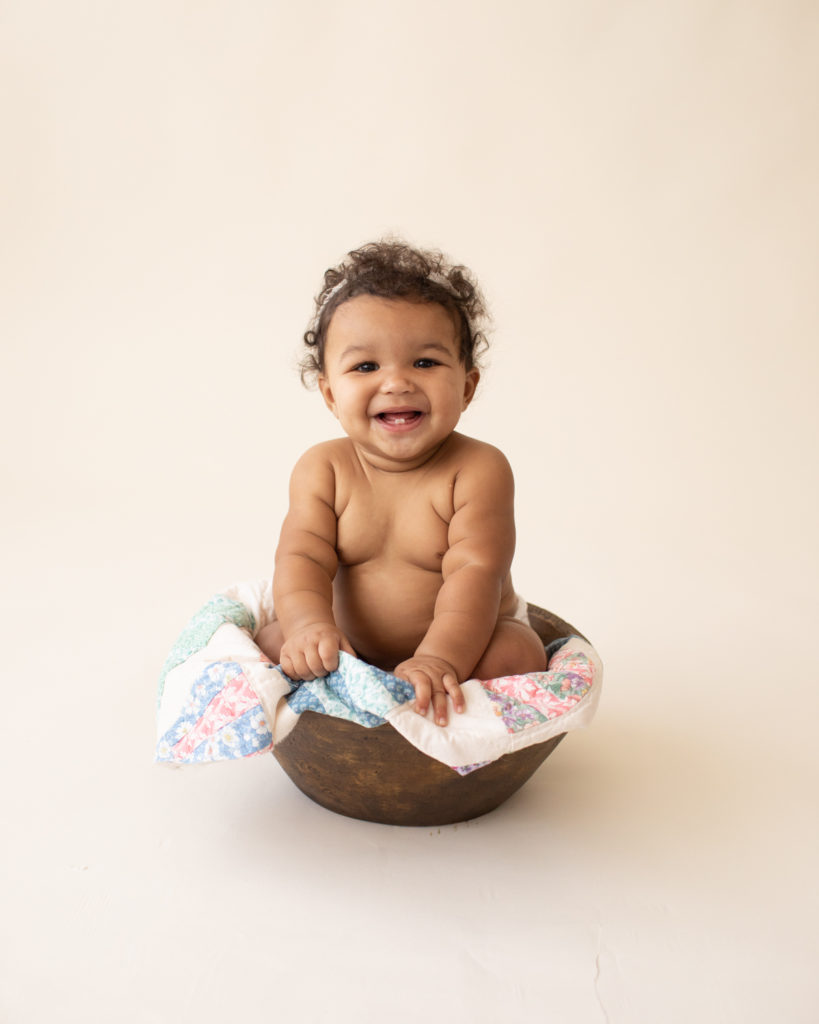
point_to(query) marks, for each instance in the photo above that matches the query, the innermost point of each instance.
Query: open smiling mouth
(399, 418)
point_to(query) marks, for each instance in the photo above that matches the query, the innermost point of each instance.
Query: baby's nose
(397, 381)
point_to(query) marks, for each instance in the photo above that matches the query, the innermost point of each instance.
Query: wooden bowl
(377, 775)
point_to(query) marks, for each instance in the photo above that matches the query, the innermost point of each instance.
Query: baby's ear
(327, 395)
(471, 384)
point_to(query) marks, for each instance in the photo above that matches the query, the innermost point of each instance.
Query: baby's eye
(365, 367)
(424, 364)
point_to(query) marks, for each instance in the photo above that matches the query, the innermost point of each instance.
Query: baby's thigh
(515, 648)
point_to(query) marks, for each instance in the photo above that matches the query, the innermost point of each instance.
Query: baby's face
(394, 379)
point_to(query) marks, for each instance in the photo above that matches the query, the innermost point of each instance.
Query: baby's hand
(435, 678)
(313, 651)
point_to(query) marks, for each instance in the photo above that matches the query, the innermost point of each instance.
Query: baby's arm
(306, 563)
(475, 567)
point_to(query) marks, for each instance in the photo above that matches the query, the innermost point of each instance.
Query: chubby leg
(514, 649)
(269, 640)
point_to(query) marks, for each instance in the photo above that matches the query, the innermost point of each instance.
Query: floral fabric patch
(356, 691)
(221, 720)
(524, 701)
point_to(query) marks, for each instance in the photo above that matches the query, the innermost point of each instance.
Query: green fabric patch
(200, 629)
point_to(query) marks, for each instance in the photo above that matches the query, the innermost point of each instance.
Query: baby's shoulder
(472, 456)
(328, 453)
(329, 461)
(323, 471)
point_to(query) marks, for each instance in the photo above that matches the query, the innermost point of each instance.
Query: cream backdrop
(635, 185)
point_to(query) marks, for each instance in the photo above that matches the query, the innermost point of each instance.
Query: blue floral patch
(355, 691)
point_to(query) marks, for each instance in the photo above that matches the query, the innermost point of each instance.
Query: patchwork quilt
(220, 698)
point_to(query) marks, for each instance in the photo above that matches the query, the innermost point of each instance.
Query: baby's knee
(269, 640)
(514, 649)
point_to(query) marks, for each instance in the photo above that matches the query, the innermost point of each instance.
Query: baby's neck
(376, 463)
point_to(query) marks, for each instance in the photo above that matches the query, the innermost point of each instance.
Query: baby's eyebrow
(437, 346)
(352, 350)
(355, 354)
(427, 346)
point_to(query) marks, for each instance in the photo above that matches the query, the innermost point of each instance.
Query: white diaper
(522, 612)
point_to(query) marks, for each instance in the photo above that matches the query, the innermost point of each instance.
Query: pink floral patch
(229, 704)
(542, 695)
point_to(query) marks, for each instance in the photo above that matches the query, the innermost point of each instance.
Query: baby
(399, 537)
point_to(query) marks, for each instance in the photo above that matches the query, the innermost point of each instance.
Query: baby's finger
(423, 691)
(314, 660)
(294, 665)
(439, 709)
(346, 646)
(453, 688)
(328, 653)
(303, 658)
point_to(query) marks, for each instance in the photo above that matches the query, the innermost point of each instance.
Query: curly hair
(392, 269)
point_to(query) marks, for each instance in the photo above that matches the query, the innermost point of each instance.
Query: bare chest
(408, 529)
